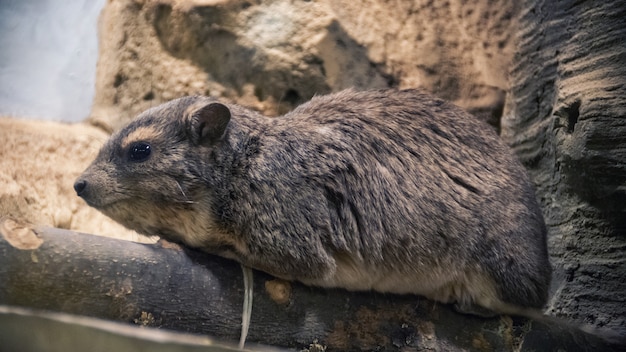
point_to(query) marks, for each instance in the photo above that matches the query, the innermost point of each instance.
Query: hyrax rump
(393, 191)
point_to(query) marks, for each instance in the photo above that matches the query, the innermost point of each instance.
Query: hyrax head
(148, 174)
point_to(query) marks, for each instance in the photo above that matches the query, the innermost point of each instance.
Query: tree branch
(188, 291)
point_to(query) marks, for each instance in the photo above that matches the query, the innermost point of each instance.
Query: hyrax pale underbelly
(394, 191)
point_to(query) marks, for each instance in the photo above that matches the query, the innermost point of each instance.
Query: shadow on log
(179, 289)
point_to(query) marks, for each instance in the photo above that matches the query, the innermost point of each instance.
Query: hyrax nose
(80, 186)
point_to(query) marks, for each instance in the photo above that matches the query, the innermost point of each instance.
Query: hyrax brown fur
(393, 191)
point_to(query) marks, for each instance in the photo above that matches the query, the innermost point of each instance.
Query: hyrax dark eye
(139, 152)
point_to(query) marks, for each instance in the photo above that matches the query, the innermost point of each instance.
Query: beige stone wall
(273, 55)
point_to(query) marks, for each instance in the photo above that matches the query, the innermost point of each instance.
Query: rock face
(566, 120)
(274, 55)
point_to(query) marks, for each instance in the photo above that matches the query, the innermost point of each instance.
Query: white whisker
(187, 200)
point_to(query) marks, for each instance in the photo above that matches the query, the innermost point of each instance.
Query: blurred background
(48, 58)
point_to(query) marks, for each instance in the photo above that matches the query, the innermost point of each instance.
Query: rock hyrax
(392, 191)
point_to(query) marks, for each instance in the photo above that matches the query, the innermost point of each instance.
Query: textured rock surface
(566, 120)
(458, 50)
(273, 55)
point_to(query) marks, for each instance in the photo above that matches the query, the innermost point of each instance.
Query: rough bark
(184, 290)
(566, 120)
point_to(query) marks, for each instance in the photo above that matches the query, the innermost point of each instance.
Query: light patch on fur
(195, 229)
(325, 131)
(191, 225)
(443, 285)
(140, 134)
(384, 172)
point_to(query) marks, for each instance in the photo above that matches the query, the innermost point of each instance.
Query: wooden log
(180, 289)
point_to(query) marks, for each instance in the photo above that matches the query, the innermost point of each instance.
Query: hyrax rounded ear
(208, 123)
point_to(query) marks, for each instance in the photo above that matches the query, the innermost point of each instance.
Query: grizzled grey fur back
(394, 191)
